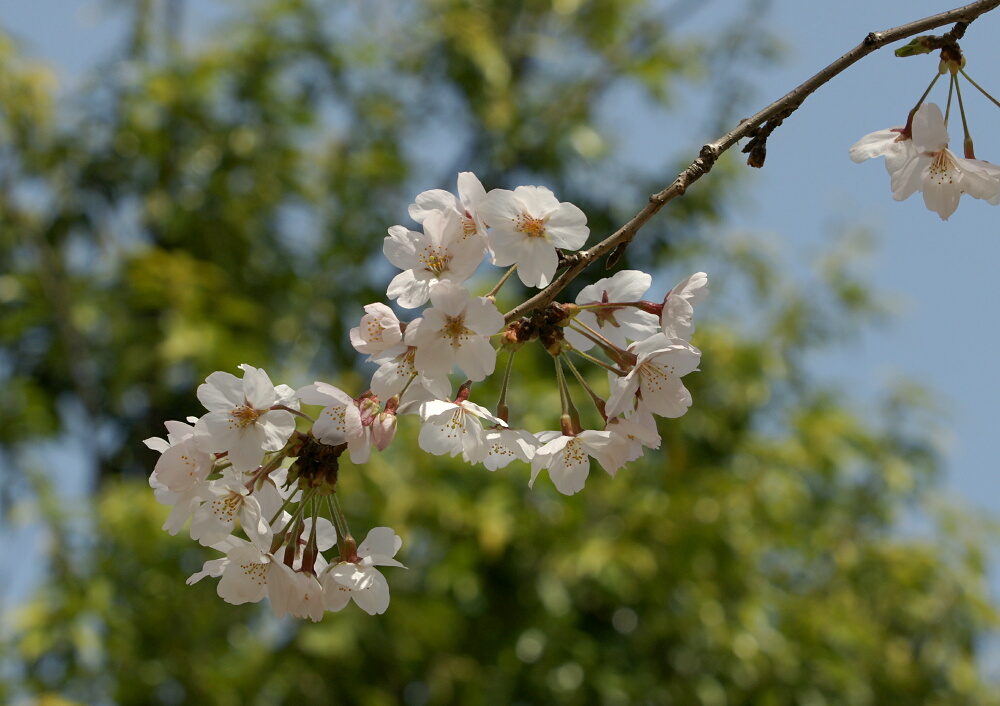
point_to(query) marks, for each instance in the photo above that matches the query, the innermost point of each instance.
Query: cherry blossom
(926, 164)
(379, 330)
(441, 253)
(470, 195)
(527, 225)
(397, 369)
(359, 579)
(567, 458)
(656, 375)
(618, 324)
(454, 332)
(340, 421)
(454, 428)
(677, 317)
(240, 420)
(227, 500)
(503, 445)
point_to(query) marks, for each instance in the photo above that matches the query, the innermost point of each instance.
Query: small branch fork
(758, 127)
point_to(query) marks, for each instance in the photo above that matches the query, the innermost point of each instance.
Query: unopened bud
(383, 430)
(369, 407)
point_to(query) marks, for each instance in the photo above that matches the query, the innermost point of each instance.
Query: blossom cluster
(918, 159)
(258, 476)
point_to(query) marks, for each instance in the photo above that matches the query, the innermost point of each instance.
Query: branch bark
(773, 115)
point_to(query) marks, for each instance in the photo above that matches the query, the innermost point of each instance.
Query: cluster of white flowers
(227, 469)
(918, 159)
(244, 466)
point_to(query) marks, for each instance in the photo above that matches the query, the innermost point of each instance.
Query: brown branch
(773, 115)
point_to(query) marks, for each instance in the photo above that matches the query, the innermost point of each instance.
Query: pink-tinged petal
(431, 201)
(324, 394)
(213, 568)
(221, 391)
(373, 598)
(257, 387)
(335, 594)
(622, 397)
(470, 191)
(449, 299)
(908, 180)
(476, 358)
(537, 263)
(360, 448)
(941, 198)
(382, 541)
(249, 452)
(874, 144)
(282, 588)
(930, 134)
(245, 577)
(567, 227)
(500, 209)
(277, 426)
(537, 201)
(156, 444)
(400, 247)
(408, 290)
(483, 317)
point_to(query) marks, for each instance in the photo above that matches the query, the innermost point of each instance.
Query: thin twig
(710, 153)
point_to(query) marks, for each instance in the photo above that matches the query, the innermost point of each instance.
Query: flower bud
(383, 430)
(369, 407)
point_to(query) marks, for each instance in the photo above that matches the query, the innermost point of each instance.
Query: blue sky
(943, 274)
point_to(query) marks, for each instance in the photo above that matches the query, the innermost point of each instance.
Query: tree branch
(755, 127)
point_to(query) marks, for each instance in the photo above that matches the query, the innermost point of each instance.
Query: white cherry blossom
(296, 593)
(456, 331)
(397, 368)
(441, 253)
(340, 421)
(619, 324)
(656, 376)
(470, 195)
(379, 330)
(677, 317)
(240, 420)
(454, 428)
(227, 500)
(567, 458)
(360, 579)
(527, 225)
(505, 445)
(938, 172)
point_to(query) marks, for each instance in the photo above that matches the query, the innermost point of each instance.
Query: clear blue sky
(943, 273)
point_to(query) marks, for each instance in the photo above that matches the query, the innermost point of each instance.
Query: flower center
(434, 261)
(244, 415)
(454, 328)
(941, 168)
(468, 227)
(532, 227)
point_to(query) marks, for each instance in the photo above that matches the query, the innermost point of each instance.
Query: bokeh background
(187, 186)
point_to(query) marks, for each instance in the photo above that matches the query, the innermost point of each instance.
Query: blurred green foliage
(186, 211)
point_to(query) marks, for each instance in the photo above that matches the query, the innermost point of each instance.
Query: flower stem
(980, 88)
(503, 280)
(947, 108)
(502, 410)
(569, 409)
(293, 411)
(598, 361)
(597, 399)
(970, 152)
